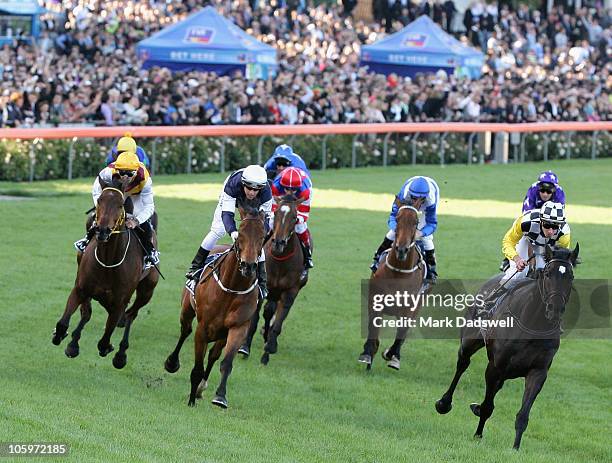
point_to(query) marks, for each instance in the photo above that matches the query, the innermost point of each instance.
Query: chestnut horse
(284, 266)
(224, 303)
(404, 269)
(109, 271)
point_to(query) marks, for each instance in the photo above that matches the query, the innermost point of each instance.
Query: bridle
(115, 229)
(287, 239)
(547, 298)
(121, 219)
(410, 246)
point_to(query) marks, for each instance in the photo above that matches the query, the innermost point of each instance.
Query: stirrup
(309, 263)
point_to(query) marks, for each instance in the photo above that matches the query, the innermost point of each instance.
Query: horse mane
(249, 207)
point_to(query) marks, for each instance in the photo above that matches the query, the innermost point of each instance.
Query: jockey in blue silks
(127, 143)
(282, 158)
(423, 193)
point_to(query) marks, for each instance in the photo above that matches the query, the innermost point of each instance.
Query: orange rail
(314, 129)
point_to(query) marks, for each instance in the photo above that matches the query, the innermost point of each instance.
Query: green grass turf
(313, 402)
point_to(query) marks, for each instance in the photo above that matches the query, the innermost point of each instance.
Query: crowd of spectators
(83, 69)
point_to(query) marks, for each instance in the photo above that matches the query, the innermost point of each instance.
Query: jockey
(127, 143)
(250, 183)
(423, 193)
(295, 181)
(282, 158)
(547, 188)
(140, 191)
(547, 226)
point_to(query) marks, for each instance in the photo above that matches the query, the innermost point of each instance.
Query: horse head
(407, 220)
(110, 213)
(556, 279)
(250, 239)
(285, 218)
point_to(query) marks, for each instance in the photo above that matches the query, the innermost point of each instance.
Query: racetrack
(313, 402)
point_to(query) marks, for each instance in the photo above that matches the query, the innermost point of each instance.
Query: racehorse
(524, 350)
(109, 271)
(404, 268)
(284, 266)
(225, 300)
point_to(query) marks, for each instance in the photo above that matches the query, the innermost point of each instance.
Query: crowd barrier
(502, 136)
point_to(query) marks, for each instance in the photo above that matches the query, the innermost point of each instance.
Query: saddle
(190, 285)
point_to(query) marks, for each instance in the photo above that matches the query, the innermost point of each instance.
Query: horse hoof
(443, 407)
(271, 347)
(71, 351)
(105, 350)
(367, 359)
(119, 360)
(191, 402)
(59, 335)
(477, 436)
(244, 351)
(201, 388)
(392, 361)
(475, 409)
(172, 366)
(265, 358)
(220, 401)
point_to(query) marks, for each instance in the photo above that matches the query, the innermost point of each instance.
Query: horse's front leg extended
(75, 299)
(72, 350)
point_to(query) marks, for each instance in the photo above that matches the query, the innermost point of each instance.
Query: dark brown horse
(284, 266)
(524, 350)
(109, 271)
(225, 300)
(403, 269)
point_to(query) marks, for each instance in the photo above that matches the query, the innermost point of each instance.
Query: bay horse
(403, 268)
(225, 300)
(284, 266)
(526, 349)
(109, 271)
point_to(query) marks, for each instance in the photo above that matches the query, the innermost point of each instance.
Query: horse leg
(104, 345)
(197, 373)
(392, 354)
(271, 345)
(467, 348)
(72, 349)
(370, 347)
(172, 363)
(234, 339)
(245, 348)
(213, 355)
(485, 409)
(75, 299)
(533, 385)
(144, 293)
(269, 310)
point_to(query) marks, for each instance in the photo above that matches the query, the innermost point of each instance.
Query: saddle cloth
(190, 285)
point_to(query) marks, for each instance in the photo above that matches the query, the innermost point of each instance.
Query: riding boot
(81, 244)
(197, 263)
(386, 244)
(152, 254)
(430, 261)
(262, 278)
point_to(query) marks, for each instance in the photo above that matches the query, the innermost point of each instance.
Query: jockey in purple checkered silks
(546, 188)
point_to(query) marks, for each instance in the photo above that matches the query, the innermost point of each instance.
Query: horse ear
(548, 253)
(574, 256)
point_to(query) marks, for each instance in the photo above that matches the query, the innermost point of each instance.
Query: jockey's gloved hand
(234, 236)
